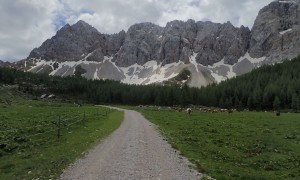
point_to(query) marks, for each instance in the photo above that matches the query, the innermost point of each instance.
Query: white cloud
(220, 11)
(25, 24)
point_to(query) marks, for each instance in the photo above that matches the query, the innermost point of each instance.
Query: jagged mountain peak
(64, 28)
(146, 27)
(275, 31)
(81, 26)
(70, 43)
(280, 7)
(81, 23)
(148, 53)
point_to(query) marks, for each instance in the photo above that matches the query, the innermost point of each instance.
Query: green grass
(183, 75)
(241, 145)
(29, 145)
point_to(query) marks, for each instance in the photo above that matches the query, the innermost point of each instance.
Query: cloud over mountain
(26, 24)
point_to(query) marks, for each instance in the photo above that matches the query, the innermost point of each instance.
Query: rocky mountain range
(8, 64)
(148, 53)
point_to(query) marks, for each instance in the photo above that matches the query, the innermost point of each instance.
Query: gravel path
(134, 151)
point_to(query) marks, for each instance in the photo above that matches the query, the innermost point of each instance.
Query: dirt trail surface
(134, 151)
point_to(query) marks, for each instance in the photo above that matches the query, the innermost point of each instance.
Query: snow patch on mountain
(193, 61)
(221, 71)
(150, 64)
(284, 32)
(96, 74)
(216, 69)
(150, 72)
(254, 61)
(131, 74)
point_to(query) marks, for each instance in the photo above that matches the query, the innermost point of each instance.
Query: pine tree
(236, 102)
(257, 97)
(240, 106)
(276, 103)
(294, 101)
(298, 103)
(249, 103)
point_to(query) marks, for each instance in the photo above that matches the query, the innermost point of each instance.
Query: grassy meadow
(241, 145)
(38, 139)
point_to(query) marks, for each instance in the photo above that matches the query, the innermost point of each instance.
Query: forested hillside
(269, 87)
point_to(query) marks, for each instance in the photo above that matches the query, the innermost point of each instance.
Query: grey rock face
(146, 41)
(217, 41)
(114, 42)
(9, 64)
(72, 43)
(275, 33)
(177, 44)
(142, 42)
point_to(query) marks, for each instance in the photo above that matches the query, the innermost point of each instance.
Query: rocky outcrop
(73, 43)
(142, 42)
(6, 64)
(217, 41)
(211, 42)
(146, 41)
(276, 31)
(177, 41)
(148, 53)
(114, 42)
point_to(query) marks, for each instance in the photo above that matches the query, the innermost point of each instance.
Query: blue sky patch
(59, 22)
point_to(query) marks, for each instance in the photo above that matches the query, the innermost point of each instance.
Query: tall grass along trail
(134, 151)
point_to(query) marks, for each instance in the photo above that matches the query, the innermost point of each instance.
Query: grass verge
(30, 147)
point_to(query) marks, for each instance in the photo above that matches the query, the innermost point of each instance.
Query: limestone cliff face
(72, 43)
(148, 53)
(276, 31)
(217, 41)
(142, 42)
(146, 41)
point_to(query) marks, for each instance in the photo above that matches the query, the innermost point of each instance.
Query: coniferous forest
(270, 87)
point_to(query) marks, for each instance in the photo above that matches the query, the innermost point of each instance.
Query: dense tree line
(269, 87)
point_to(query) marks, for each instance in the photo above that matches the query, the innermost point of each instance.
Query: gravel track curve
(136, 150)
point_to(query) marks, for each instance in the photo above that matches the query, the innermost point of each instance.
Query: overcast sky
(25, 24)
